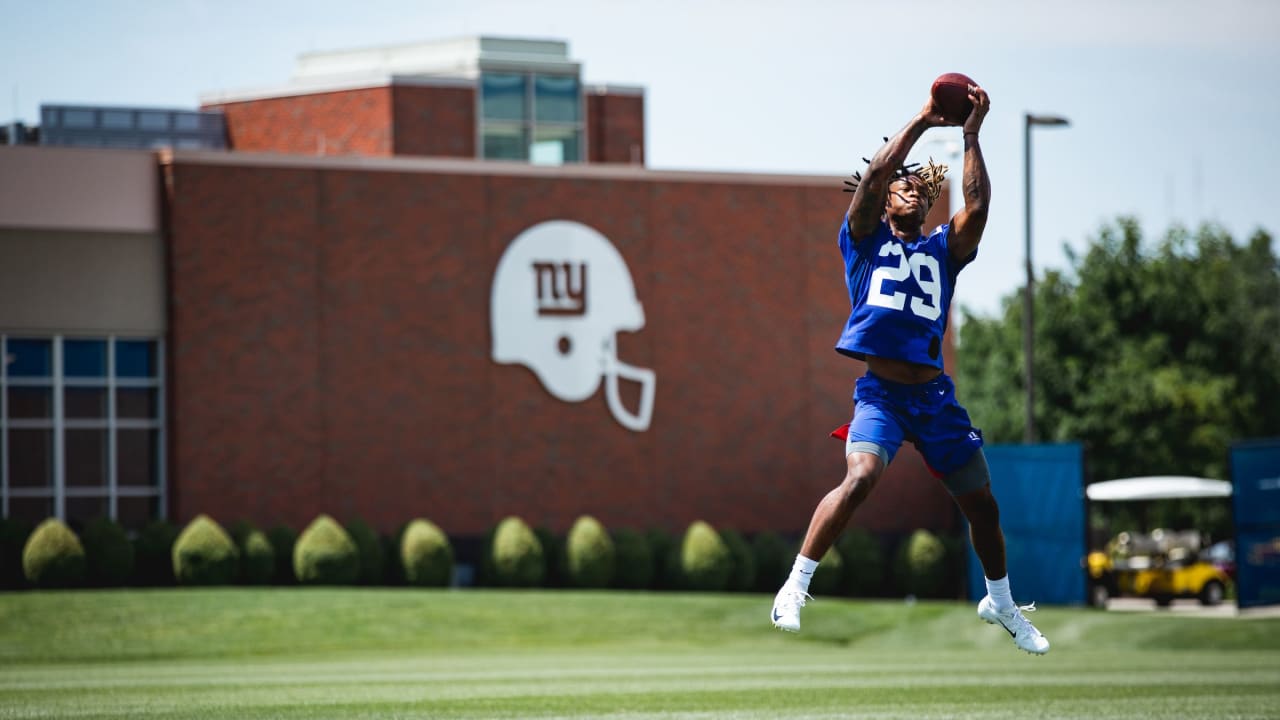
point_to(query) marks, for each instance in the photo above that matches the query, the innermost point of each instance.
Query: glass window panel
(136, 403)
(30, 403)
(117, 119)
(80, 510)
(502, 96)
(211, 122)
(556, 98)
(152, 120)
(186, 121)
(506, 143)
(86, 457)
(78, 118)
(29, 358)
(554, 145)
(84, 358)
(135, 358)
(82, 403)
(136, 456)
(30, 458)
(135, 513)
(49, 117)
(31, 510)
(544, 152)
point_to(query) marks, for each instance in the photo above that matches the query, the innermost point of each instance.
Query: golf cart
(1162, 564)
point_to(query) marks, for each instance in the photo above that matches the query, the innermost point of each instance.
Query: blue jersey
(900, 293)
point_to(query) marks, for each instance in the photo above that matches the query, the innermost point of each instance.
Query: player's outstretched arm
(868, 200)
(968, 224)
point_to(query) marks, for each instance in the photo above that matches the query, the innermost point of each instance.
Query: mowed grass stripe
(319, 653)
(606, 700)
(238, 622)
(582, 684)
(571, 673)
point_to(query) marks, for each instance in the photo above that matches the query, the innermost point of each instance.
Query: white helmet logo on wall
(561, 294)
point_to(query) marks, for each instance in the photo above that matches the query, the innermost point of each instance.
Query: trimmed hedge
(665, 552)
(591, 559)
(773, 557)
(369, 546)
(863, 564)
(204, 554)
(239, 532)
(705, 561)
(826, 579)
(53, 556)
(633, 561)
(13, 538)
(515, 556)
(953, 577)
(153, 553)
(426, 555)
(743, 575)
(920, 565)
(553, 553)
(326, 554)
(393, 569)
(109, 556)
(257, 559)
(283, 538)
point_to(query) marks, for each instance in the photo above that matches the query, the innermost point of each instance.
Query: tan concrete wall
(70, 282)
(52, 188)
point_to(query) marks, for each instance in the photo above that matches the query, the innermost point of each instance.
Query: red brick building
(331, 303)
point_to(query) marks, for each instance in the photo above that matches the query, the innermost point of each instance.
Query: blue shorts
(886, 413)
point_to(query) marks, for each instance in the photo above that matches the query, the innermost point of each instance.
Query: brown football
(951, 94)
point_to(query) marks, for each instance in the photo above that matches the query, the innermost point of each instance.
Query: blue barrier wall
(1040, 489)
(1255, 475)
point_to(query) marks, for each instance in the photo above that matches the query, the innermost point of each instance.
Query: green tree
(1154, 356)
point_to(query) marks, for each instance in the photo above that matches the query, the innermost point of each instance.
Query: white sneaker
(786, 608)
(1025, 635)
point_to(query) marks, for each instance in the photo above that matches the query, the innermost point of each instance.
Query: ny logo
(557, 292)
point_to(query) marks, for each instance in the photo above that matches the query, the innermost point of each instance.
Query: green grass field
(398, 653)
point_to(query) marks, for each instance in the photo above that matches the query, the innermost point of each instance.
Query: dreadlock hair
(930, 175)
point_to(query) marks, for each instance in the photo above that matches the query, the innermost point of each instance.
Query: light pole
(1028, 295)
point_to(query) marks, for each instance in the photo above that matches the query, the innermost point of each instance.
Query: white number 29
(928, 307)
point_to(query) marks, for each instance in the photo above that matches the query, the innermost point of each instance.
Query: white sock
(802, 572)
(999, 592)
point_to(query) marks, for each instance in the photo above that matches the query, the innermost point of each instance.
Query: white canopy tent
(1157, 487)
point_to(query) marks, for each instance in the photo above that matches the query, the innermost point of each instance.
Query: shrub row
(512, 555)
(706, 559)
(204, 553)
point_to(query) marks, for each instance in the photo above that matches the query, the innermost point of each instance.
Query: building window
(557, 99)
(133, 128)
(532, 117)
(555, 145)
(117, 119)
(506, 142)
(79, 118)
(188, 122)
(82, 429)
(504, 96)
(152, 120)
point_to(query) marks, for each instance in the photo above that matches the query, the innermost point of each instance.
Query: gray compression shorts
(973, 475)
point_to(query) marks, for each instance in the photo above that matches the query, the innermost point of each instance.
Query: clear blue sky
(1174, 103)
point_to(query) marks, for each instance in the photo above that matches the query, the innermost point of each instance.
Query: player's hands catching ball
(932, 115)
(981, 105)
